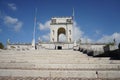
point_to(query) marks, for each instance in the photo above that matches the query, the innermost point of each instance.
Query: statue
(8, 41)
(114, 41)
(75, 43)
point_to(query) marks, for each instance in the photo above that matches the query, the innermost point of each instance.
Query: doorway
(59, 47)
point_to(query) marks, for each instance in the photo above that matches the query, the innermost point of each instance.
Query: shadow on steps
(114, 55)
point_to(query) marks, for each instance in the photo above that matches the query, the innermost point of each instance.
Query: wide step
(30, 66)
(56, 73)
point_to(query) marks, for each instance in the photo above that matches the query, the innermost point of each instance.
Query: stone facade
(62, 25)
(58, 25)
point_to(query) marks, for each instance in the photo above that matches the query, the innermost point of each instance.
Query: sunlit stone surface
(56, 65)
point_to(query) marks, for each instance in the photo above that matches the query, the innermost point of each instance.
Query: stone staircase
(56, 65)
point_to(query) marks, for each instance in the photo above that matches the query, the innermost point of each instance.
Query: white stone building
(61, 25)
(58, 25)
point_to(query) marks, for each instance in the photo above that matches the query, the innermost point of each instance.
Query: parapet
(61, 20)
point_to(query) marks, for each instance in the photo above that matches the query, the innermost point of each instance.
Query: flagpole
(73, 14)
(35, 23)
(33, 41)
(73, 22)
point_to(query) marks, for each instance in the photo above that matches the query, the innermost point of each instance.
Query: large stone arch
(60, 30)
(62, 25)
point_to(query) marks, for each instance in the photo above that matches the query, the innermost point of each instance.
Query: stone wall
(40, 46)
(55, 45)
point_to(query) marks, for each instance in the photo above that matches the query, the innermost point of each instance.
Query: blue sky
(96, 20)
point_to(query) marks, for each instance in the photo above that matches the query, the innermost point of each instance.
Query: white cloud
(12, 6)
(44, 26)
(86, 40)
(46, 37)
(110, 38)
(13, 23)
(10, 20)
(18, 26)
(77, 33)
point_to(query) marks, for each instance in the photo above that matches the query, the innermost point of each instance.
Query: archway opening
(61, 37)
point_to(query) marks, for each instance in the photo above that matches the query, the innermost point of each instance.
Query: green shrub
(1, 46)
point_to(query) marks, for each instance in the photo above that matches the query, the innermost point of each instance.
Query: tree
(1, 46)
